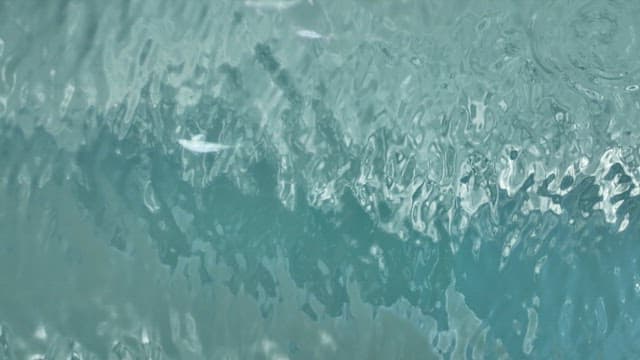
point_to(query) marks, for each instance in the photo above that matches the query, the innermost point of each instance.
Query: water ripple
(402, 158)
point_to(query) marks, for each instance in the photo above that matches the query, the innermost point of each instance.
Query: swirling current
(309, 179)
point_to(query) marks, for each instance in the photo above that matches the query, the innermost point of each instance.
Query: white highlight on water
(197, 144)
(531, 334)
(309, 34)
(40, 333)
(145, 336)
(267, 4)
(149, 198)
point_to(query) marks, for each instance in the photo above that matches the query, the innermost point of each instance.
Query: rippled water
(307, 179)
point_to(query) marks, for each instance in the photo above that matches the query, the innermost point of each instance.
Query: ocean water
(309, 179)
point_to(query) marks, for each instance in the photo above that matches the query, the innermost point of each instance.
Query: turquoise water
(298, 179)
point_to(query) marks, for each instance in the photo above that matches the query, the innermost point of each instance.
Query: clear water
(385, 179)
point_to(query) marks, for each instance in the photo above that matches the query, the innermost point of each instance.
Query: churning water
(315, 179)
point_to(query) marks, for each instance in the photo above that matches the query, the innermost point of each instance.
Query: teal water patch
(304, 179)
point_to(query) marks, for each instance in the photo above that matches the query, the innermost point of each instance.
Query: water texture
(307, 179)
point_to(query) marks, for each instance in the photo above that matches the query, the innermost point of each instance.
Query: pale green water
(387, 179)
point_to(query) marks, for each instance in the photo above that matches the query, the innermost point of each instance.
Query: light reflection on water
(296, 179)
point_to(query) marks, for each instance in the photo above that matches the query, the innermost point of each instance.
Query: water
(293, 179)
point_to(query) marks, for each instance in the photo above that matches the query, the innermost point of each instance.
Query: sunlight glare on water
(297, 179)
